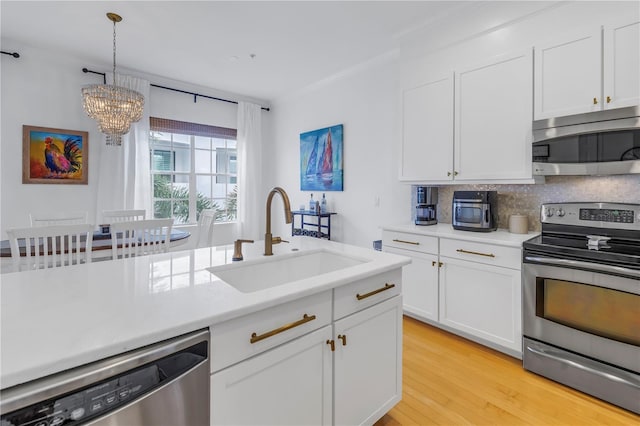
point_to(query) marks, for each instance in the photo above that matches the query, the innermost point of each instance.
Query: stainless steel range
(581, 300)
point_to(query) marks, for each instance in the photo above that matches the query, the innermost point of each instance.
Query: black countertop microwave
(596, 143)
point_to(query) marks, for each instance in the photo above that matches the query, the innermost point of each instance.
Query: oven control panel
(607, 215)
(599, 215)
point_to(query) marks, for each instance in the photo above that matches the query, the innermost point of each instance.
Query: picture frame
(54, 156)
(321, 162)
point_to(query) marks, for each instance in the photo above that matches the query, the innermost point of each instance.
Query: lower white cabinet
(482, 300)
(368, 363)
(288, 385)
(348, 372)
(419, 283)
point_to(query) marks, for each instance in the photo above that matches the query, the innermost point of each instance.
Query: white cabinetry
(289, 385)
(420, 277)
(299, 363)
(493, 114)
(621, 65)
(480, 291)
(569, 77)
(453, 134)
(427, 114)
(367, 361)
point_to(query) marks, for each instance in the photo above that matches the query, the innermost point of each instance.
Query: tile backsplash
(526, 199)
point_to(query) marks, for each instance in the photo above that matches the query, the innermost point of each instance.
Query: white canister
(518, 224)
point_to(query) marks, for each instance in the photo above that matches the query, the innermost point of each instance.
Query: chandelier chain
(114, 52)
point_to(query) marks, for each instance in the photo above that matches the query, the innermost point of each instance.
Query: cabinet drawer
(508, 257)
(408, 241)
(231, 341)
(367, 292)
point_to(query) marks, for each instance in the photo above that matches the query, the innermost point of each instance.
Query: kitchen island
(54, 320)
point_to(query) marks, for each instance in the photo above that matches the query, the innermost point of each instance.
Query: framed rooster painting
(54, 156)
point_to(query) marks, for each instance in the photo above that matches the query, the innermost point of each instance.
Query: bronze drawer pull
(305, 318)
(387, 286)
(406, 242)
(476, 252)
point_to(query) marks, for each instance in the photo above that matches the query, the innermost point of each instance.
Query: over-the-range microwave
(596, 143)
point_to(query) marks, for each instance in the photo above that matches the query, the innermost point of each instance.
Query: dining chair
(205, 228)
(51, 246)
(58, 218)
(140, 237)
(113, 216)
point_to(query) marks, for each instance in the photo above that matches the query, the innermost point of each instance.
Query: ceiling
(259, 49)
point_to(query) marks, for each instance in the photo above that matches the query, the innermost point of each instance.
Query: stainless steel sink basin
(272, 271)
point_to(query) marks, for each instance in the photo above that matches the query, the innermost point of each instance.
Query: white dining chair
(113, 216)
(205, 228)
(50, 246)
(140, 237)
(58, 218)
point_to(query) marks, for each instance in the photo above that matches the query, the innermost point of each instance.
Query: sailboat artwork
(321, 159)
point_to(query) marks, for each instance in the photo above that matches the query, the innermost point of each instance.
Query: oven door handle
(586, 265)
(560, 358)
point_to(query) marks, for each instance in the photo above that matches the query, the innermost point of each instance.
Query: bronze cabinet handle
(343, 338)
(476, 253)
(595, 101)
(305, 318)
(608, 99)
(332, 343)
(415, 243)
(387, 286)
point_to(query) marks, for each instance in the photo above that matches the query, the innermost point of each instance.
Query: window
(193, 167)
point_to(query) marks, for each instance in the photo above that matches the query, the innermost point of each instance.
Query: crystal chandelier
(113, 107)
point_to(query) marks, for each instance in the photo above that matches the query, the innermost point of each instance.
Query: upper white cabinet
(586, 72)
(621, 65)
(427, 130)
(567, 76)
(454, 127)
(493, 114)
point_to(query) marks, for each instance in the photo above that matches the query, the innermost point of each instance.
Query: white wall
(364, 101)
(42, 88)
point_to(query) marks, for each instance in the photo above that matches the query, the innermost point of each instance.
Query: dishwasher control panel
(81, 405)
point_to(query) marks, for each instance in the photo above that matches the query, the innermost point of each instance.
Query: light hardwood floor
(448, 380)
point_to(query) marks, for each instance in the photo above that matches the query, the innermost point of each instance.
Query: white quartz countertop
(444, 230)
(56, 319)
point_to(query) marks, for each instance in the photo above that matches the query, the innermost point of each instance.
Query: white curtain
(249, 143)
(123, 171)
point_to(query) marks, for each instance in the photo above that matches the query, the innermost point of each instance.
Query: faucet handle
(278, 240)
(237, 249)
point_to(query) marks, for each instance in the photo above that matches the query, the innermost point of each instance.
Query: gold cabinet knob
(608, 99)
(448, 173)
(433, 263)
(595, 101)
(455, 173)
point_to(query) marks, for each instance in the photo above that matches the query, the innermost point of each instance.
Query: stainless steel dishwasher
(162, 384)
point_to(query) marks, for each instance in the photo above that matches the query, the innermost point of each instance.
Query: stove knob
(561, 212)
(549, 212)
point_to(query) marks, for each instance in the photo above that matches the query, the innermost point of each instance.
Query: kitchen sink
(272, 271)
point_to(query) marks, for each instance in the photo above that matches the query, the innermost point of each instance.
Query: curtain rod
(195, 95)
